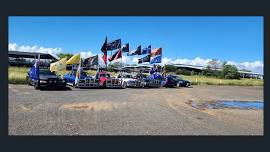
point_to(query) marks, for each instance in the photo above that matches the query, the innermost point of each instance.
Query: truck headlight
(43, 81)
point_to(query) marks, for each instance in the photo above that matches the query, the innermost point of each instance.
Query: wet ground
(222, 104)
(165, 111)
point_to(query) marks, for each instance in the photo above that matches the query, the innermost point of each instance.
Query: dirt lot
(131, 111)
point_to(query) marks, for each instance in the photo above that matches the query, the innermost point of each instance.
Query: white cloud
(87, 54)
(256, 66)
(166, 60)
(35, 48)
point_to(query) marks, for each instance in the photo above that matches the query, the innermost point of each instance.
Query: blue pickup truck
(70, 77)
(44, 78)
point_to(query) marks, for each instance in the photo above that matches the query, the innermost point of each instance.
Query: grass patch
(17, 75)
(203, 80)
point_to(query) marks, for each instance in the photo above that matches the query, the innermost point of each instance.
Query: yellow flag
(75, 59)
(59, 65)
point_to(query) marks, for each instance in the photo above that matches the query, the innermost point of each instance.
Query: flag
(125, 47)
(59, 65)
(104, 57)
(137, 51)
(116, 55)
(78, 74)
(144, 59)
(156, 59)
(36, 65)
(104, 50)
(146, 50)
(104, 46)
(116, 44)
(93, 60)
(75, 59)
(37, 61)
(157, 51)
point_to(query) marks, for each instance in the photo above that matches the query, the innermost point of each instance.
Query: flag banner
(78, 74)
(116, 55)
(116, 44)
(144, 59)
(157, 51)
(104, 57)
(137, 51)
(104, 46)
(59, 65)
(36, 65)
(93, 60)
(156, 59)
(146, 50)
(125, 47)
(75, 59)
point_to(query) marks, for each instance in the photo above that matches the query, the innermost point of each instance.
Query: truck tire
(28, 80)
(124, 85)
(178, 84)
(36, 86)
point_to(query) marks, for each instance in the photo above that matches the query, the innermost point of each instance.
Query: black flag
(93, 60)
(125, 47)
(116, 44)
(144, 59)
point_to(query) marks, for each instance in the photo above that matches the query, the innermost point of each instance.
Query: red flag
(155, 52)
(104, 50)
(116, 55)
(104, 57)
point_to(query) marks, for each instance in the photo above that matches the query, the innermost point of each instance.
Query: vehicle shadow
(56, 89)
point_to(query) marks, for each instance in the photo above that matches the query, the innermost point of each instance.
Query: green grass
(203, 80)
(17, 75)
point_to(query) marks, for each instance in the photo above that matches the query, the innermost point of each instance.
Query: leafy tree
(213, 64)
(207, 71)
(230, 72)
(62, 55)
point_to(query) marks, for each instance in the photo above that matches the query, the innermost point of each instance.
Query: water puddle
(221, 104)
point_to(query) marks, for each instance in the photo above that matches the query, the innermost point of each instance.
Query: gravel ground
(131, 111)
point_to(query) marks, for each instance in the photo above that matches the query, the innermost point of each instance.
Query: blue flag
(146, 50)
(156, 59)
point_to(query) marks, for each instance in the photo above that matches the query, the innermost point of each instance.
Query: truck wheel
(178, 84)
(36, 86)
(28, 80)
(124, 85)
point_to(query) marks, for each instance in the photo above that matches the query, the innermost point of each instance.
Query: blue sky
(236, 39)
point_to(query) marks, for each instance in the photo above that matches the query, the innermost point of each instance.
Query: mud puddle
(221, 104)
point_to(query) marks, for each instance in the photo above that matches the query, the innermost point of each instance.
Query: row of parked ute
(102, 79)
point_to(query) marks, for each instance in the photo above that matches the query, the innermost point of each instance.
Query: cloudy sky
(184, 40)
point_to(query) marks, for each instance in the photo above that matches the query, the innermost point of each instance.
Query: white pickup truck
(130, 81)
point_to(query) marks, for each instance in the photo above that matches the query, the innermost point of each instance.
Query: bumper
(136, 84)
(153, 84)
(52, 85)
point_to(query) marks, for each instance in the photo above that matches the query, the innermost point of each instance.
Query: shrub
(170, 68)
